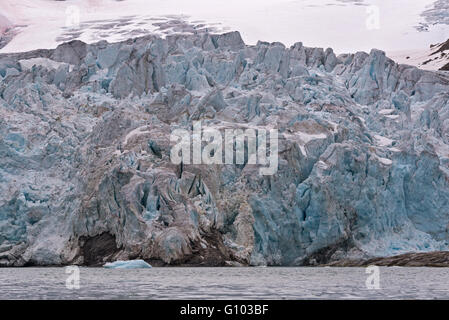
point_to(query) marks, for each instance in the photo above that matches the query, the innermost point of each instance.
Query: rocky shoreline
(426, 259)
(437, 259)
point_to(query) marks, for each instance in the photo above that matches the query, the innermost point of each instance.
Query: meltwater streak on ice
(339, 24)
(225, 283)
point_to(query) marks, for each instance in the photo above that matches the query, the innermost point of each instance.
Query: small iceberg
(130, 264)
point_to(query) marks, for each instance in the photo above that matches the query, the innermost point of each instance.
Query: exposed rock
(95, 250)
(427, 259)
(130, 264)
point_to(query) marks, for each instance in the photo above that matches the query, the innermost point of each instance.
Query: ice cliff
(86, 178)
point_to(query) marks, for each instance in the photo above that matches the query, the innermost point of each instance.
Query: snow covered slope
(6, 33)
(5, 24)
(434, 58)
(86, 176)
(345, 26)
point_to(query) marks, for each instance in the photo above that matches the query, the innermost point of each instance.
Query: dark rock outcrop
(427, 259)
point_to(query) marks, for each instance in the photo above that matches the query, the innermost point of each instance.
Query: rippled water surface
(224, 283)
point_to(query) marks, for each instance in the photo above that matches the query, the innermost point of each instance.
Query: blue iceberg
(130, 264)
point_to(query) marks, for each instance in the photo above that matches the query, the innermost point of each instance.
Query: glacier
(86, 178)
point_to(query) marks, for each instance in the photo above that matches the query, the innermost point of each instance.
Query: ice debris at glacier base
(85, 174)
(130, 264)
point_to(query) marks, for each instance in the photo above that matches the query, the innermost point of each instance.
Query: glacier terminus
(86, 176)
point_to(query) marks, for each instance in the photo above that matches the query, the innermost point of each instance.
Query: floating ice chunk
(130, 264)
